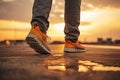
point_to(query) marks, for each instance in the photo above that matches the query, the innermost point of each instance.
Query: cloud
(8, 0)
(16, 10)
(21, 10)
(100, 4)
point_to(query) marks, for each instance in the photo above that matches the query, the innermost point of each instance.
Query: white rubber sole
(36, 44)
(73, 50)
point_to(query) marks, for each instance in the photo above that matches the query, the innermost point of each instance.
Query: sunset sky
(99, 18)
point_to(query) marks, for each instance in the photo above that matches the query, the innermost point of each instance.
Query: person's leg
(37, 38)
(40, 14)
(72, 22)
(72, 19)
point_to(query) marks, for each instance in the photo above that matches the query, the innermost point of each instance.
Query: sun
(89, 15)
(59, 26)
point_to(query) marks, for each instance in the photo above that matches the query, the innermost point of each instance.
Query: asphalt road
(20, 62)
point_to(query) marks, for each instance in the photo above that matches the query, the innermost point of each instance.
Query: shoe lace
(48, 38)
(45, 37)
(79, 42)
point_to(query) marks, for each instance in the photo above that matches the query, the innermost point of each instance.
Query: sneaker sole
(36, 44)
(72, 50)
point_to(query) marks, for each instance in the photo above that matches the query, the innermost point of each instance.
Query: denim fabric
(41, 10)
(40, 13)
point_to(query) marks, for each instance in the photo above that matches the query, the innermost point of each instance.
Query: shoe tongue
(69, 41)
(37, 28)
(73, 41)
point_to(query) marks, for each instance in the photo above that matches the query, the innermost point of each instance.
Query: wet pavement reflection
(20, 62)
(62, 63)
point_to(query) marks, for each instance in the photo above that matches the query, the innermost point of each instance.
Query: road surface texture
(20, 62)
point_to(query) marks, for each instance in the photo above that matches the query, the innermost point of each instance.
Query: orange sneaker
(38, 40)
(71, 47)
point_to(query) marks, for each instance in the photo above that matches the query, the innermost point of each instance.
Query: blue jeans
(41, 10)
